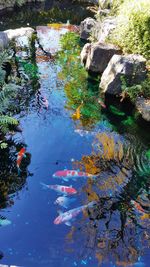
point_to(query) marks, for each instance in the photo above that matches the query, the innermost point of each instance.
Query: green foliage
(6, 122)
(7, 93)
(133, 27)
(116, 5)
(81, 91)
(142, 89)
(3, 145)
(30, 69)
(7, 3)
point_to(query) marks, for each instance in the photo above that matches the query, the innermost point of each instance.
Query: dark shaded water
(115, 232)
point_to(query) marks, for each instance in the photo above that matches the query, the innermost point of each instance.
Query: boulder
(86, 28)
(131, 67)
(143, 107)
(84, 53)
(99, 56)
(4, 41)
(16, 33)
(107, 26)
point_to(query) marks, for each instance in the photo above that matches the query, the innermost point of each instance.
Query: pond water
(66, 126)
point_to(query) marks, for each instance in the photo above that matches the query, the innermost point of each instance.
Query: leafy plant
(142, 89)
(133, 27)
(7, 93)
(7, 3)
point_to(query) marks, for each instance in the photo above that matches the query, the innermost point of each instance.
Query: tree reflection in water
(10, 182)
(114, 229)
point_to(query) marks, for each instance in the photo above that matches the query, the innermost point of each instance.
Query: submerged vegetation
(81, 89)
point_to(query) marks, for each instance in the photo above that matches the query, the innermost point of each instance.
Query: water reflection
(82, 91)
(117, 230)
(10, 182)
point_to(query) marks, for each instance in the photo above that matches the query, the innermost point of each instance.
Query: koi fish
(77, 114)
(64, 201)
(72, 174)
(4, 221)
(137, 206)
(67, 216)
(101, 103)
(65, 190)
(20, 156)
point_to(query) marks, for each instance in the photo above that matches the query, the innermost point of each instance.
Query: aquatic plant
(80, 89)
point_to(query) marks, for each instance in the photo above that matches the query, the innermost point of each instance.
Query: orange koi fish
(77, 114)
(21, 155)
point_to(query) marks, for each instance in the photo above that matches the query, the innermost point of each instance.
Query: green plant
(82, 94)
(133, 27)
(7, 3)
(7, 93)
(142, 89)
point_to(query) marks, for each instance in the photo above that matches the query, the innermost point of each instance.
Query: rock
(84, 53)
(17, 33)
(107, 26)
(143, 107)
(93, 2)
(86, 28)
(11, 4)
(4, 41)
(99, 56)
(131, 67)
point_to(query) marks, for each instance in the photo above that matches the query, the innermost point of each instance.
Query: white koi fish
(67, 216)
(64, 201)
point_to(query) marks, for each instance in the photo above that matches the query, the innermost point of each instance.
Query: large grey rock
(99, 56)
(131, 67)
(4, 41)
(84, 53)
(86, 28)
(143, 106)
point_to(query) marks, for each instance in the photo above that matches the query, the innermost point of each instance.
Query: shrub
(133, 27)
(142, 89)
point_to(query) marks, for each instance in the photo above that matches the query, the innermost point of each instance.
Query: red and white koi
(20, 156)
(65, 190)
(67, 216)
(72, 174)
(64, 201)
(137, 206)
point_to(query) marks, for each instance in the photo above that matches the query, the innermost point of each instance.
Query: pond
(68, 126)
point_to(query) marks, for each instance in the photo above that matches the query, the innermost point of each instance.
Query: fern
(7, 120)
(3, 145)
(8, 92)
